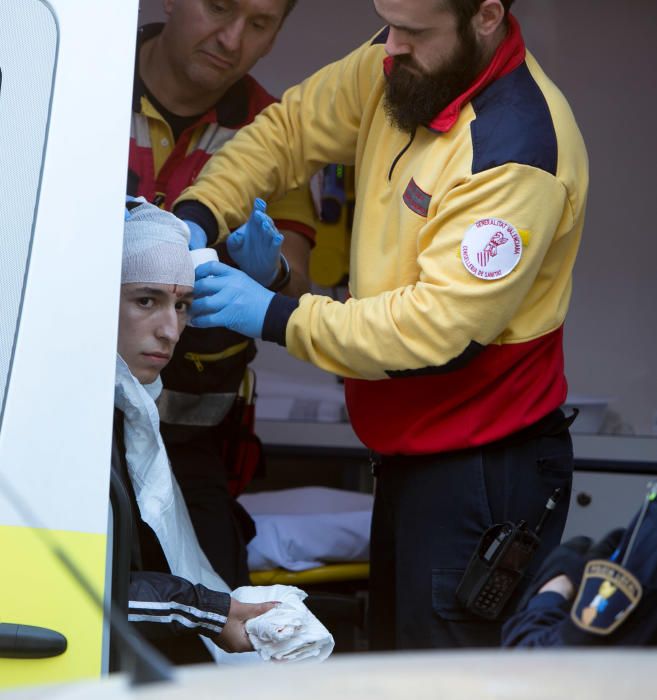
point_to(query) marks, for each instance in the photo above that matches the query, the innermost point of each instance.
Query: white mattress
(304, 528)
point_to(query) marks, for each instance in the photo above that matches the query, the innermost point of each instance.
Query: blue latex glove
(197, 236)
(256, 245)
(229, 298)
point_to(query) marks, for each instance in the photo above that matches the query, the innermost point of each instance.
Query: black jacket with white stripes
(163, 605)
(168, 610)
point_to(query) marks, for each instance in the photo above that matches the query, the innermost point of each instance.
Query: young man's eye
(218, 7)
(182, 306)
(145, 302)
(260, 26)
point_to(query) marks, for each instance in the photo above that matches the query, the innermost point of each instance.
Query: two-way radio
(497, 565)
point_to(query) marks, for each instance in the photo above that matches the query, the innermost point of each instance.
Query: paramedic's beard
(414, 98)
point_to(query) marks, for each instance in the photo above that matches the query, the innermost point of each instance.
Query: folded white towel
(289, 632)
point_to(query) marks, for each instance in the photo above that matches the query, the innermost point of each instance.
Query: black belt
(554, 423)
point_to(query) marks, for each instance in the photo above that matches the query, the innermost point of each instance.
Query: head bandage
(155, 247)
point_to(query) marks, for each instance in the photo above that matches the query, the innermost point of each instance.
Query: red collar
(509, 55)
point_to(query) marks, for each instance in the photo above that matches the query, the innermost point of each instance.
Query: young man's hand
(559, 584)
(234, 637)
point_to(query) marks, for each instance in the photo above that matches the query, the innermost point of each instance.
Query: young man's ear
(488, 18)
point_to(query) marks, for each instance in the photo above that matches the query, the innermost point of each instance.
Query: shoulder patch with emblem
(607, 594)
(491, 249)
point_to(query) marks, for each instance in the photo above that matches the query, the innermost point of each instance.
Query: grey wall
(601, 53)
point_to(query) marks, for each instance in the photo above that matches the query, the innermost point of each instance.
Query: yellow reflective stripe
(199, 358)
(35, 589)
(247, 387)
(349, 571)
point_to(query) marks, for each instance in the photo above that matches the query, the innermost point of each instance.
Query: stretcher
(316, 539)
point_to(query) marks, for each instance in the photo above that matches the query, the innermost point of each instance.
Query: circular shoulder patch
(491, 249)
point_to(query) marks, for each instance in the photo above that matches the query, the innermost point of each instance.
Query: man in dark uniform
(592, 595)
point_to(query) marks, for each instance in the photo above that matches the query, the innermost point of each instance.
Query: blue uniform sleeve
(540, 624)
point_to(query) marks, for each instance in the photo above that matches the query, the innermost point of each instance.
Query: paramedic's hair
(465, 10)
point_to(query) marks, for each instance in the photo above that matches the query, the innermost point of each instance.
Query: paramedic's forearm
(280, 150)
(199, 214)
(296, 249)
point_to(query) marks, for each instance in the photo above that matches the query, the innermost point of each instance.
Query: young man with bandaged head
(174, 594)
(192, 93)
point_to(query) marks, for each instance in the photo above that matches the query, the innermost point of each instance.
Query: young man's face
(434, 60)
(213, 43)
(151, 319)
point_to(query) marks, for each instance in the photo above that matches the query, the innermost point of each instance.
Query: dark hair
(290, 6)
(465, 10)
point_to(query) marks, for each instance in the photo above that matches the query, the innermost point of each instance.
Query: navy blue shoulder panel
(513, 125)
(381, 37)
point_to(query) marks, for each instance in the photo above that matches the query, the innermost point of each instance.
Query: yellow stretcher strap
(351, 571)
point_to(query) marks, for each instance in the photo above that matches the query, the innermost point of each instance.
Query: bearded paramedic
(471, 183)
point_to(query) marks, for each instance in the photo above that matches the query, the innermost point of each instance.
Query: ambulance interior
(59, 236)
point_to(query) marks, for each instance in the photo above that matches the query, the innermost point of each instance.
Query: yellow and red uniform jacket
(436, 357)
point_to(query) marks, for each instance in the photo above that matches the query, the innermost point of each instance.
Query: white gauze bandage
(155, 247)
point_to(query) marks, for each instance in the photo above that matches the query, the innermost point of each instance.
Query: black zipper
(399, 155)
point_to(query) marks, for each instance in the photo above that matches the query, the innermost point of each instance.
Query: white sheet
(304, 528)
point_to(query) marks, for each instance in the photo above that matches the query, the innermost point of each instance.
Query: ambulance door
(66, 80)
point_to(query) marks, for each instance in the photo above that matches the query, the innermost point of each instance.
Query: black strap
(555, 423)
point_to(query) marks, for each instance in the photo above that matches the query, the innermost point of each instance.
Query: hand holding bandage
(288, 632)
(229, 298)
(234, 637)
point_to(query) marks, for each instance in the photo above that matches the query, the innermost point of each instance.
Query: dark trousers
(429, 513)
(222, 525)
